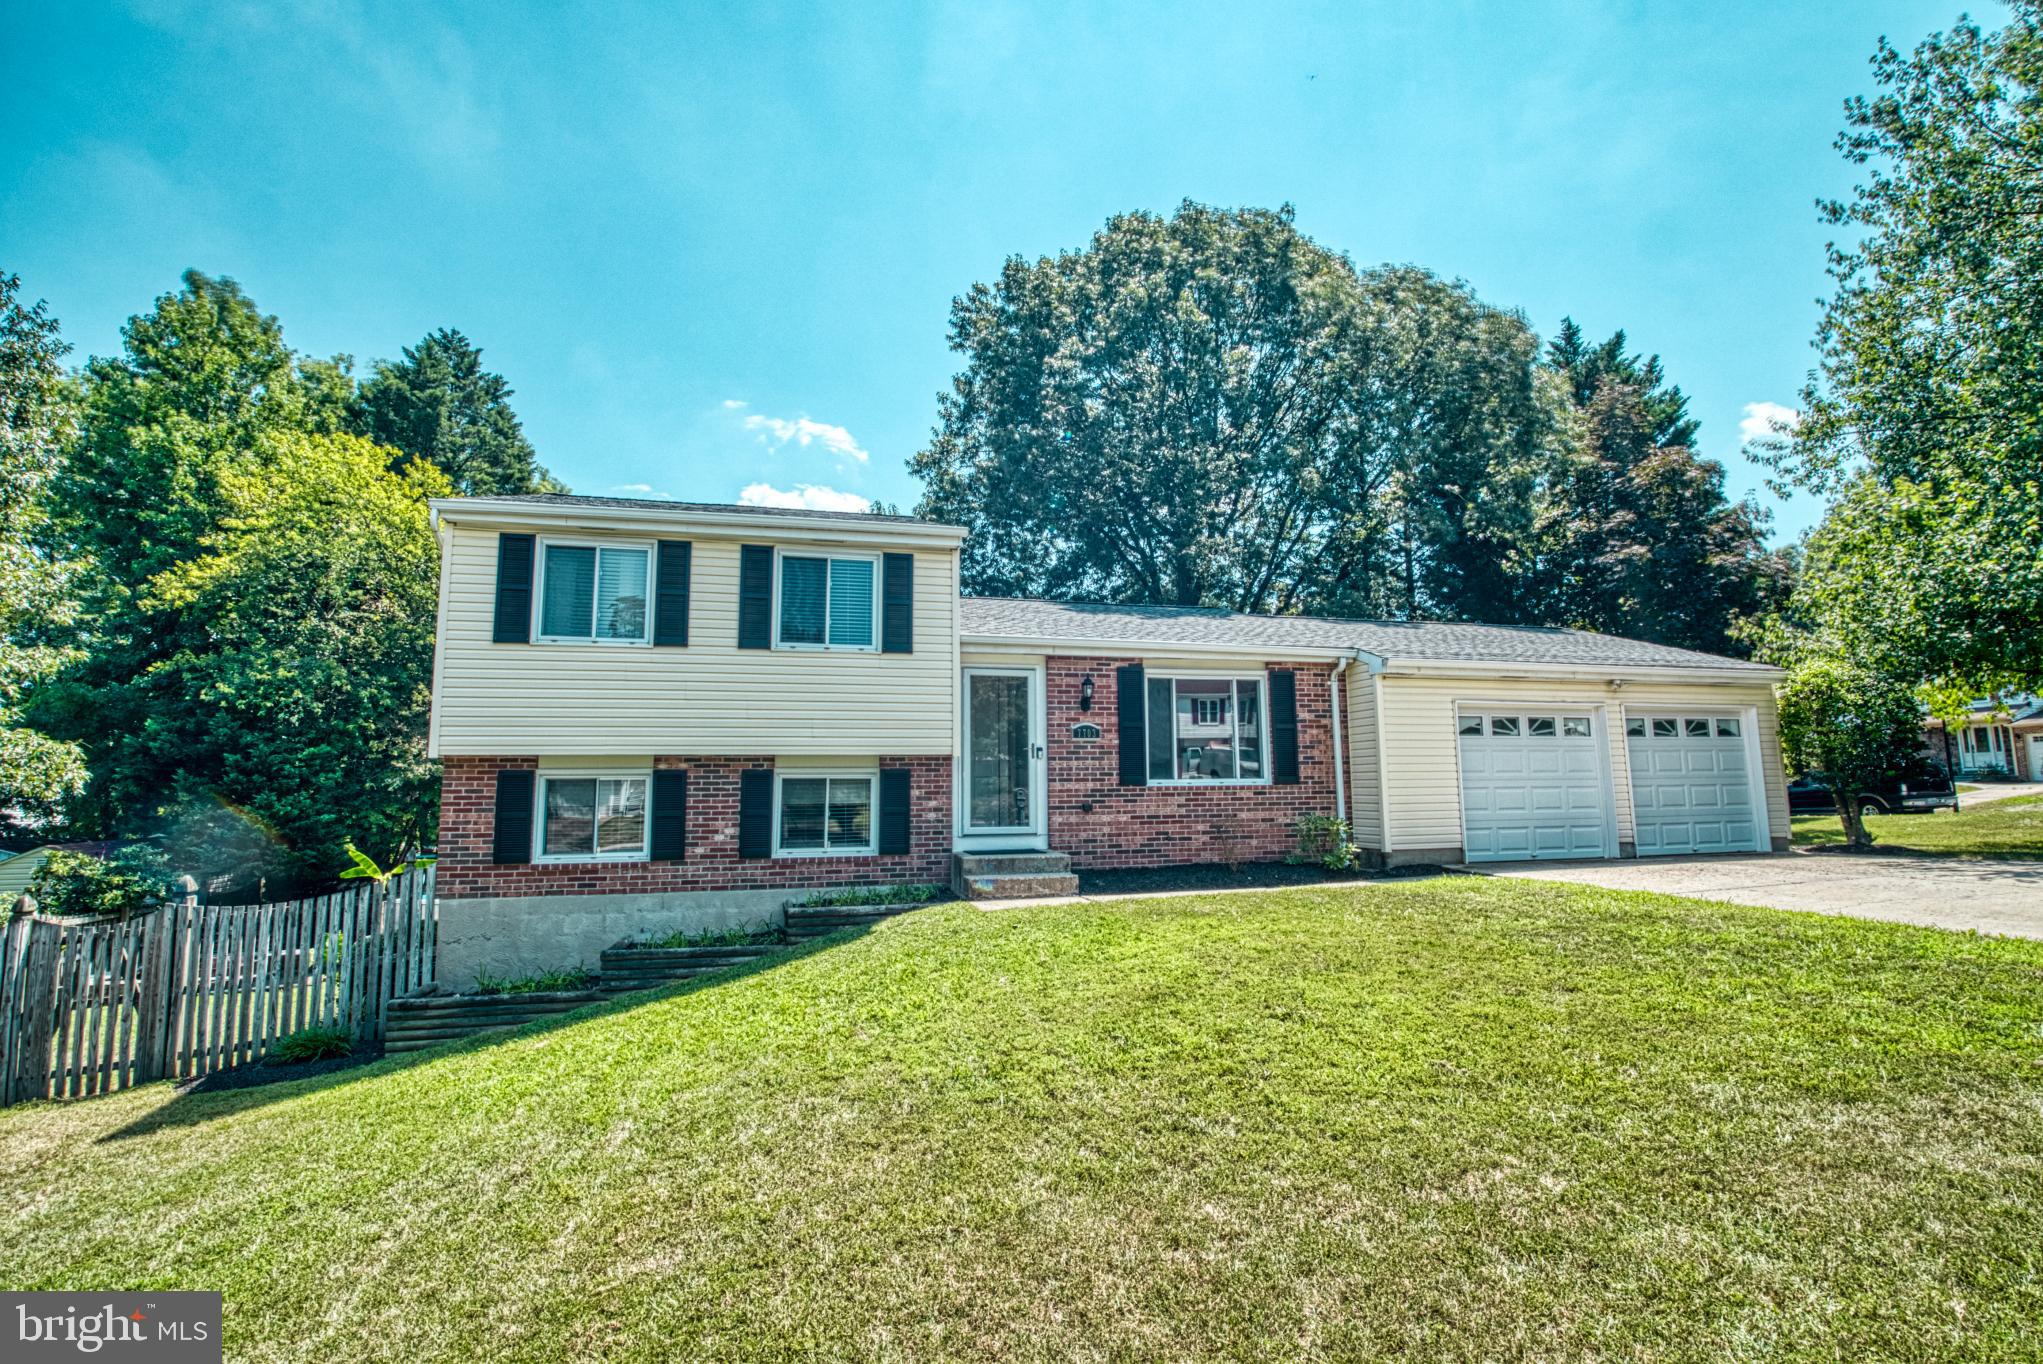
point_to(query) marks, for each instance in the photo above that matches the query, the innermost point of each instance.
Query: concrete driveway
(1940, 892)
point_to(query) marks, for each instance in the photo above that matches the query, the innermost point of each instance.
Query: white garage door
(1691, 784)
(1531, 786)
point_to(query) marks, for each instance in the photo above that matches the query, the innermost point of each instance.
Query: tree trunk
(1855, 836)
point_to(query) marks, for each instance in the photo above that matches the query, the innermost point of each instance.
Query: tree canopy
(254, 588)
(440, 405)
(1922, 419)
(1210, 409)
(37, 418)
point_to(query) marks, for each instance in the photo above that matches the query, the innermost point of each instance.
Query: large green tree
(1211, 409)
(251, 648)
(1635, 533)
(37, 417)
(439, 404)
(1923, 418)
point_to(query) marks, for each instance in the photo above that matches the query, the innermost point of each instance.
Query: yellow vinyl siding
(1422, 757)
(710, 697)
(1365, 784)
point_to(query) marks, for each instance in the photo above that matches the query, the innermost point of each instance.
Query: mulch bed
(263, 1073)
(1141, 880)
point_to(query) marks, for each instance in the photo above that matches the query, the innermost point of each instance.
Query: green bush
(875, 895)
(561, 978)
(311, 1044)
(119, 883)
(1326, 840)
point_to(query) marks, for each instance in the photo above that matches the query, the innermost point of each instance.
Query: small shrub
(561, 978)
(119, 883)
(1327, 841)
(726, 937)
(874, 895)
(311, 1044)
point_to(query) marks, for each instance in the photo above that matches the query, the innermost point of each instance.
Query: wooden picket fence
(89, 1006)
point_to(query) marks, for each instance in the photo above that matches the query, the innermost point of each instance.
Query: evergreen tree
(440, 405)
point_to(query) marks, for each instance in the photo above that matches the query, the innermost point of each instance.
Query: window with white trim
(586, 818)
(593, 594)
(826, 601)
(819, 814)
(1207, 729)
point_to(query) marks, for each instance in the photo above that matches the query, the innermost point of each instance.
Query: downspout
(1339, 701)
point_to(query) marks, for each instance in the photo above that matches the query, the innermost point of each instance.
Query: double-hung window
(1206, 729)
(826, 601)
(823, 814)
(588, 818)
(594, 593)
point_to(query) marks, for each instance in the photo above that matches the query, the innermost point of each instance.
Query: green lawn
(1460, 1118)
(2001, 828)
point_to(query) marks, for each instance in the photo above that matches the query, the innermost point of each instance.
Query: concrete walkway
(1989, 896)
(2000, 790)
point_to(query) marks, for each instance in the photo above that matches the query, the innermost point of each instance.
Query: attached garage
(1691, 779)
(1534, 784)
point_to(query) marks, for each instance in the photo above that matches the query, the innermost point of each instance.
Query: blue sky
(713, 247)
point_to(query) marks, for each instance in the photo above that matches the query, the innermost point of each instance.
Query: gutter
(853, 530)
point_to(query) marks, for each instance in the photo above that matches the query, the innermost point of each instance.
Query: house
(19, 870)
(661, 715)
(1999, 737)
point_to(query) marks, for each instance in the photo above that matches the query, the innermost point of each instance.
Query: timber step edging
(428, 1020)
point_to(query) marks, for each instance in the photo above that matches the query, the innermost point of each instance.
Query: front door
(1003, 746)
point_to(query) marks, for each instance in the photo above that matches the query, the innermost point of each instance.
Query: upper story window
(826, 602)
(594, 593)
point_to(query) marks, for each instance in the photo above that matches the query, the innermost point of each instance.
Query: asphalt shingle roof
(1415, 641)
(655, 504)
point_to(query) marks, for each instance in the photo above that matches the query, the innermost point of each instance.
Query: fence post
(156, 1003)
(13, 998)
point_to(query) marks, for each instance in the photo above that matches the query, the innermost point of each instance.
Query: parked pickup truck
(1920, 790)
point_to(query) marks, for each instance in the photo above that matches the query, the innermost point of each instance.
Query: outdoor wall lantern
(1085, 693)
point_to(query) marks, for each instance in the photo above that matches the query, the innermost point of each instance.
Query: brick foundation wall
(1161, 826)
(467, 819)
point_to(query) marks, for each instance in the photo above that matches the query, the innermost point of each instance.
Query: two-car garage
(1540, 782)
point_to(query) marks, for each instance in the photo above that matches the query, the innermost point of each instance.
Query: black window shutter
(755, 812)
(1130, 697)
(897, 604)
(512, 840)
(755, 598)
(1284, 727)
(670, 815)
(894, 832)
(670, 600)
(513, 624)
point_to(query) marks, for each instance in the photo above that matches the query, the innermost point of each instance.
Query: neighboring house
(2000, 736)
(17, 871)
(658, 715)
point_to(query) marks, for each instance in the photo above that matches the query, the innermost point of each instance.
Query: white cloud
(733, 404)
(802, 431)
(808, 495)
(1763, 421)
(638, 490)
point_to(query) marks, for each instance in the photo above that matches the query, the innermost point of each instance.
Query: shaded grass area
(2001, 828)
(1459, 1118)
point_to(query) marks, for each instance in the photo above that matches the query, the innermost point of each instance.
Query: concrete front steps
(1012, 875)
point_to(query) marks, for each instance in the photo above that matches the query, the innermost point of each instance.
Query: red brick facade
(467, 816)
(1160, 826)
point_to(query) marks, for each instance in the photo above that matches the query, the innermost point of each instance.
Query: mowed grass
(1454, 1119)
(2000, 828)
